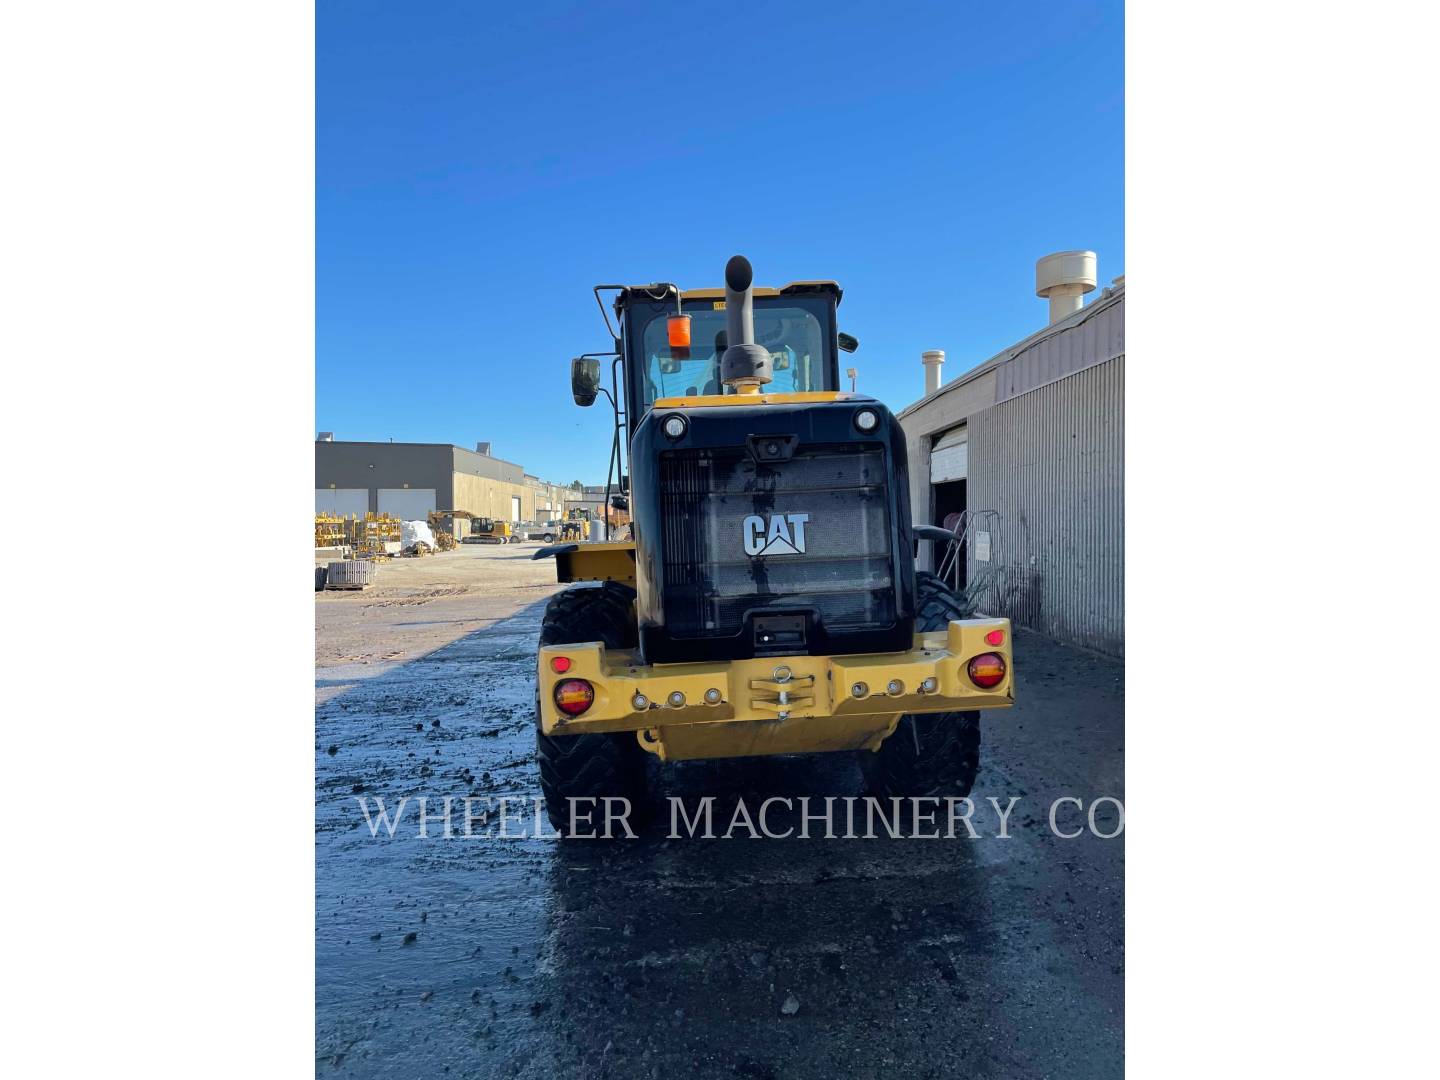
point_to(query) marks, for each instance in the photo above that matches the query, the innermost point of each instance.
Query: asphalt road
(690, 957)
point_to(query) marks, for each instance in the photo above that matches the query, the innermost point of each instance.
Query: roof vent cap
(1064, 278)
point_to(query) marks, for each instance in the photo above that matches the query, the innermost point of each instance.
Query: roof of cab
(654, 293)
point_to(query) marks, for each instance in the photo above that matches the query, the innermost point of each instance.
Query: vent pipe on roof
(482, 448)
(932, 359)
(1064, 278)
(325, 436)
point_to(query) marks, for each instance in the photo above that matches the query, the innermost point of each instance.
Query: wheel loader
(767, 601)
(574, 525)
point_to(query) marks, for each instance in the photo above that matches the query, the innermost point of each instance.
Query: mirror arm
(603, 313)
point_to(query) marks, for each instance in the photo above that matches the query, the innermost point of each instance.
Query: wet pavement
(691, 957)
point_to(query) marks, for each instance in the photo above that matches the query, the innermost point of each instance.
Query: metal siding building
(410, 479)
(1052, 462)
(1043, 427)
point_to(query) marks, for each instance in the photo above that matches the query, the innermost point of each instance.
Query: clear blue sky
(481, 165)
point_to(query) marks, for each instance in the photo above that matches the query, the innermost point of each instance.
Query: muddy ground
(688, 957)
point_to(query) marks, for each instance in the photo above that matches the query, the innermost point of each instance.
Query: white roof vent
(1063, 278)
(932, 359)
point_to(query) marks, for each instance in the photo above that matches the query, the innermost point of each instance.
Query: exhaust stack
(932, 359)
(1064, 278)
(744, 365)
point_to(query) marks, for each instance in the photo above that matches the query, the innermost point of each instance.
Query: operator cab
(796, 324)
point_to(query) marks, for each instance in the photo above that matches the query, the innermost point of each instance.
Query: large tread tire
(593, 766)
(934, 755)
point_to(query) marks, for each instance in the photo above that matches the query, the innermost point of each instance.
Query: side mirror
(584, 379)
(848, 343)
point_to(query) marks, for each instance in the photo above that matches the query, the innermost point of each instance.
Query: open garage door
(343, 502)
(949, 457)
(407, 504)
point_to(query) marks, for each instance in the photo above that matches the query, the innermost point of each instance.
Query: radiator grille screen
(829, 500)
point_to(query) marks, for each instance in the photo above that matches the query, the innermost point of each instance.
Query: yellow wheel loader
(767, 602)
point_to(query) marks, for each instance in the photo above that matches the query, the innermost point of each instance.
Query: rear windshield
(793, 335)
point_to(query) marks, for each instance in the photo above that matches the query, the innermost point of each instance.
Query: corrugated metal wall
(1052, 462)
(1093, 337)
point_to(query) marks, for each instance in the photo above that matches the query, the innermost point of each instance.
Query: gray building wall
(388, 465)
(1045, 436)
(491, 468)
(462, 479)
(1052, 462)
(1092, 335)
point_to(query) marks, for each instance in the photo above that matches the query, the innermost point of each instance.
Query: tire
(321, 573)
(548, 538)
(936, 754)
(593, 765)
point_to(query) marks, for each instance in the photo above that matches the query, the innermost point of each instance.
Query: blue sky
(480, 166)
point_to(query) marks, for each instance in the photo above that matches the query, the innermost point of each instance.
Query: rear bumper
(762, 711)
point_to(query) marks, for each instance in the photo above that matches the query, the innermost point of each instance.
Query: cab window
(793, 335)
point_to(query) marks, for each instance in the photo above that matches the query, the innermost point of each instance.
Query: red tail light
(995, 637)
(987, 670)
(560, 664)
(574, 696)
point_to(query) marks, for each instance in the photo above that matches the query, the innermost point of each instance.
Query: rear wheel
(593, 766)
(935, 754)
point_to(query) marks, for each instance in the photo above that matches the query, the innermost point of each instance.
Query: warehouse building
(1029, 445)
(409, 480)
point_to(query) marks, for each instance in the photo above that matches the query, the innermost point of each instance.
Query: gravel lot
(668, 957)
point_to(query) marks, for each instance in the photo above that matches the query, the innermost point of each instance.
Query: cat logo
(785, 534)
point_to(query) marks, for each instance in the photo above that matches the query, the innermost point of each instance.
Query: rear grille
(844, 576)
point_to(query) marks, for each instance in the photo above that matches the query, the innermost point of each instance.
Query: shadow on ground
(740, 957)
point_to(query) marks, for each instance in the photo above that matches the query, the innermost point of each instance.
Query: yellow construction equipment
(494, 531)
(331, 530)
(768, 602)
(370, 534)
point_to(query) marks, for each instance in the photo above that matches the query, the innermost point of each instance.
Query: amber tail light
(987, 670)
(574, 696)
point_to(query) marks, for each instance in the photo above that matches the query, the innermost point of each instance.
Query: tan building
(409, 480)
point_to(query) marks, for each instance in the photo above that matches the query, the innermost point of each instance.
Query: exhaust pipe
(744, 365)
